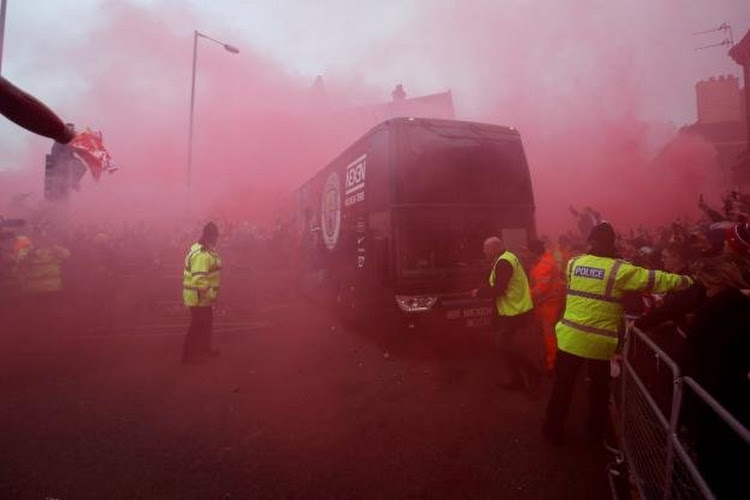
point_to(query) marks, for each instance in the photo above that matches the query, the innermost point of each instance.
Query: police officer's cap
(603, 235)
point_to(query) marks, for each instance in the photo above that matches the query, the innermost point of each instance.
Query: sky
(558, 70)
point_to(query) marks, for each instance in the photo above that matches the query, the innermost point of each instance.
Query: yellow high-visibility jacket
(517, 297)
(39, 269)
(201, 276)
(593, 320)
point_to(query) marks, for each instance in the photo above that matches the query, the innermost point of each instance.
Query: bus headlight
(415, 303)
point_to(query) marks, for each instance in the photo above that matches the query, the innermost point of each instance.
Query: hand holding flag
(89, 148)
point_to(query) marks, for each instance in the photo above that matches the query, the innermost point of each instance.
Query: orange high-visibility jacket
(546, 281)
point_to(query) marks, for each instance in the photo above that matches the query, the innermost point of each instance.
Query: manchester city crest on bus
(330, 210)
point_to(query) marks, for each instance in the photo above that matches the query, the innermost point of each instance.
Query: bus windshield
(443, 239)
(461, 164)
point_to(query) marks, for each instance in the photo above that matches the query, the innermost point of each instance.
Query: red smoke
(581, 81)
(577, 80)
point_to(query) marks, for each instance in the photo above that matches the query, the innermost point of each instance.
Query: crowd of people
(95, 278)
(715, 251)
(704, 328)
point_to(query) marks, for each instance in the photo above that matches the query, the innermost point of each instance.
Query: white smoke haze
(596, 89)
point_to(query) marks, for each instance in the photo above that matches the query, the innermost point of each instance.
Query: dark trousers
(566, 370)
(198, 339)
(514, 336)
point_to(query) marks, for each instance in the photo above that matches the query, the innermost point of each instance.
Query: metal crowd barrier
(651, 419)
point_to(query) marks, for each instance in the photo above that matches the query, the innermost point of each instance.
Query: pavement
(296, 406)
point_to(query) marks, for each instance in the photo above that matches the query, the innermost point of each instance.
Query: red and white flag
(89, 147)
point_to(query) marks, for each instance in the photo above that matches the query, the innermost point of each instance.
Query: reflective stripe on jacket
(517, 297)
(201, 276)
(39, 269)
(593, 319)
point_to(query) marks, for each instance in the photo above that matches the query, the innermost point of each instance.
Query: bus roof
(451, 124)
(447, 128)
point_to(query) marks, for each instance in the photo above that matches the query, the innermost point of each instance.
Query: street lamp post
(228, 48)
(3, 6)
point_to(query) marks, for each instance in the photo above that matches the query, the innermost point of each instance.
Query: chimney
(398, 93)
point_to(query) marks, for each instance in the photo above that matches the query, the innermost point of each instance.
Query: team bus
(393, 227)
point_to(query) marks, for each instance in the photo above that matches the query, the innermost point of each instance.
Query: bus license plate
(473, 317)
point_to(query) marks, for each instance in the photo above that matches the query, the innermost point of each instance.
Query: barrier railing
(651, 417)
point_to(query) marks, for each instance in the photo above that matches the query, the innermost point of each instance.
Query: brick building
(722, 122)
(740, 53)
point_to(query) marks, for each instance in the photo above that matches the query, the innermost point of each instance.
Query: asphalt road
(296, 406)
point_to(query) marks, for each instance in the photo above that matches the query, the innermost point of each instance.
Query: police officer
(592, 325)
(200, 286)
(40, 275)
(508, 286)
